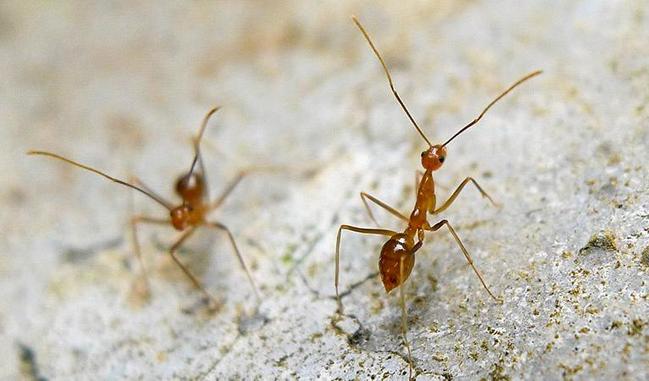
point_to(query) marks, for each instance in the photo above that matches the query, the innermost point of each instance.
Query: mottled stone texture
(124, 85)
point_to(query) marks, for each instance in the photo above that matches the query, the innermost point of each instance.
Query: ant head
(180, 216)
(190, 186)
(434, 157)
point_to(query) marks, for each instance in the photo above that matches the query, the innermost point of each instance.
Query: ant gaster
(397, 256)
(188, 216)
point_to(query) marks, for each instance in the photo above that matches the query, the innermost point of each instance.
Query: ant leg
(391, 210)
(220, 226)
(436, 227)
(190, 275)
(404, 318)
(457, 192)
(135, 221)
(226, 192)
(384, 232)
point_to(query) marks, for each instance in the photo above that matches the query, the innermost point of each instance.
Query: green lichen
(287, 257)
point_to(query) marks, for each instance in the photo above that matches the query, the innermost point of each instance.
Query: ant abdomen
(191, 187)
(398, 249)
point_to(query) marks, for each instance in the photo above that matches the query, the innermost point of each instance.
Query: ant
(187, 217)
(398, 253)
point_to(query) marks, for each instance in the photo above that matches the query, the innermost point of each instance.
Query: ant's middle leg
(356, 229)
(437, 226)
(391, 210)
(457, 192)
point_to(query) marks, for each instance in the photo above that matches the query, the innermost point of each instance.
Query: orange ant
(188, 216)
(398, 253)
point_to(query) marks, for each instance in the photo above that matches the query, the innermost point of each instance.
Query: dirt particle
(616, 324)
(636, 326)
(360, 337)
(498, 373)
(569, 372)
(592, 310)
(644, 257)
(604, 240)
(27, 364)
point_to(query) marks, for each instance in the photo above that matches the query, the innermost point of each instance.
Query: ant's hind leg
(185, 269)
(391, 210)
(384, 232)
(436, 227)
(457, 192)
(404, 318)
(220, 226)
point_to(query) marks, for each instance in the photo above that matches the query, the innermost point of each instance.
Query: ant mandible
(398, 253)
(188, 216)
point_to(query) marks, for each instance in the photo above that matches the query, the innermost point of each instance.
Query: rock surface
(123, 87)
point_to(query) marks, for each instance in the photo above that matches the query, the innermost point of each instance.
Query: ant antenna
(198, 138)
(510, 88)
(387, 74)
(152, 196)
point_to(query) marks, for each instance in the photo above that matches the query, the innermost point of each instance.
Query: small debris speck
(602, 240)
(644, 257)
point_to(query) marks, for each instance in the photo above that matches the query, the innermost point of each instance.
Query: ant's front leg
(365, 196)
(457, 193)
(228, 189)
(172, 251)
(437, 226)
(220, 226)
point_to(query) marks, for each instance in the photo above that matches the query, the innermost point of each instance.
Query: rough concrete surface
(123, 86)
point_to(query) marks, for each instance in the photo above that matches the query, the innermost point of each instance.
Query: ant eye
(441, 159)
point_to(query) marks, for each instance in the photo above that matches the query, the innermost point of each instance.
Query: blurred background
(123, 86)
